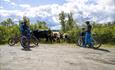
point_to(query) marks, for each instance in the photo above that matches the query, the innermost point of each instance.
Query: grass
(108, 45)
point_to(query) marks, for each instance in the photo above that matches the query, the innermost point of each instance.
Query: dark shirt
(82, 34)
(24, 29)
(89, 27)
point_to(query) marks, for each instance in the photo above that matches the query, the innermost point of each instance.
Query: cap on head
(24, 18)
(83, 28)
(87, 22)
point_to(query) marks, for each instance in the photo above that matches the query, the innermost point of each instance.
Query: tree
(10, 22)
(42, 25)
(113, 22)
(7, 22)
(70, 22)
(62, 20)
(4, 23)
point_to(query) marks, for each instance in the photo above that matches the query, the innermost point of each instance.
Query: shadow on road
(102, 49)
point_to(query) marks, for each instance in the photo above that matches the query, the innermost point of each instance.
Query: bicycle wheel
(79, 42)
(34, 41)
(11, 41)
(96, 43)
(24, 42)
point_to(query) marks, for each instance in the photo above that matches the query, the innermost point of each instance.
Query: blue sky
(94, 10)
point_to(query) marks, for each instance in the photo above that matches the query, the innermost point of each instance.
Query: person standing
(25, 31)
(88, 37)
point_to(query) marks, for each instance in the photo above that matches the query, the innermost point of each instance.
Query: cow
(56, 36)
(51, 36)
(66, 37)
(42, 34)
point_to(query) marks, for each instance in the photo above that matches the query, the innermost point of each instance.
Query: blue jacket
(25, 30)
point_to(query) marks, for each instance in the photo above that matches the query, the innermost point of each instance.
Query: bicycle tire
(96, 44)
(24, 42)
(34, 40)
(11, 41)
(79, 42)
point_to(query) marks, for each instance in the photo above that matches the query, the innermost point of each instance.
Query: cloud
(25, 5)
(10, 2)
(1, 7)
(102, 8)
(16, 20)
(57, 27)
(14, 4)
(7, 0)
(8, 13)
(94, 10)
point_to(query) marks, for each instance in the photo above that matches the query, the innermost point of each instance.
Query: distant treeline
(8, 28)
(105, 31)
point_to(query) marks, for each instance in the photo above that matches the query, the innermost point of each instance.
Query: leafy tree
(62, 20)
(70, 22)
(41, 25)
(10, 22)
(7, 22)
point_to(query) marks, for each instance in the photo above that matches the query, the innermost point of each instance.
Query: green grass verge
(108, 46)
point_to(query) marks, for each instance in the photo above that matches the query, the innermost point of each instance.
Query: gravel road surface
(56, 57)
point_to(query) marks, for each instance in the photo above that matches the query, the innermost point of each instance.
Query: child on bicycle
(82, 35)
(25, 31)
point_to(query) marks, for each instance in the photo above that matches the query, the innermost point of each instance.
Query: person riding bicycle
(82, 35)
(88, 37)
(25, 30)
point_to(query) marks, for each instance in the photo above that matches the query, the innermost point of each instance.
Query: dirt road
(56, 57)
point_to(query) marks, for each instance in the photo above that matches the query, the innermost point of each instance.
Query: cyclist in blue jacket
(25, 31)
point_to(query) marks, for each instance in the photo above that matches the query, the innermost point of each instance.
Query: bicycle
(15, 39)
(24, 42)
(95, 41)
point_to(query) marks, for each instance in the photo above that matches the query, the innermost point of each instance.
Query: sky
(47, 10)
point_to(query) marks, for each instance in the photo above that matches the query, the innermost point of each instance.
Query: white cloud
(80, 9)
(1, 7)
(105, 8)
(4, 13)
(7, 13)
(11, 2)
(7, 0)
(14, 4)
(55, 19)
(25, 5)
(15, 20)
(56, 27)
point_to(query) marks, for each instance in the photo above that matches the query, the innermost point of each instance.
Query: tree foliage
(68, 24)
(8, 28)
(105, 31)
(62, 21)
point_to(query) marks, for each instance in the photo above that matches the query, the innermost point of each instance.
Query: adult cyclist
(88, 37)
(25, 31)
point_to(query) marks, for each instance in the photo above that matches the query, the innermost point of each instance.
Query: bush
(7, 32)
(74, 34)
(105, 33)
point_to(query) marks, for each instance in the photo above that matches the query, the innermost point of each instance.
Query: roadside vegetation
(105, 31)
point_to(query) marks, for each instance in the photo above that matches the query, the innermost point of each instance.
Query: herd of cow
(52, 37)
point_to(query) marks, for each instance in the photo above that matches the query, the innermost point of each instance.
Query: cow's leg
(47, 39)
(51, 39)
(59, 40)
